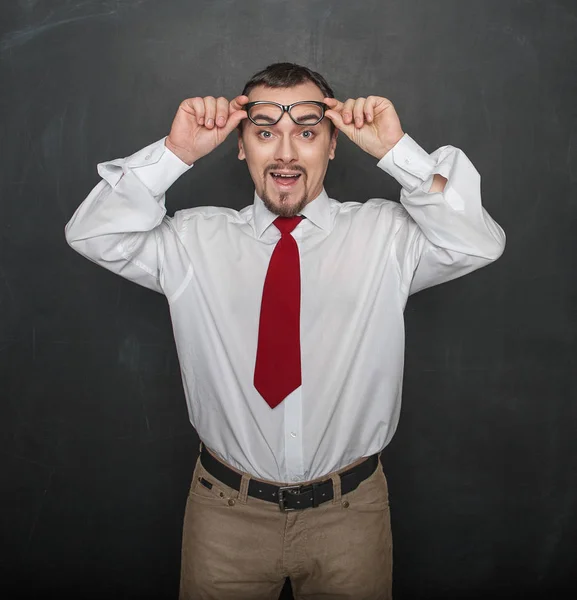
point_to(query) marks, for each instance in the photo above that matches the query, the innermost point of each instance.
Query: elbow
(71, 236)
(497, 247)
(501, 242)
(495, 240)
(77, 240)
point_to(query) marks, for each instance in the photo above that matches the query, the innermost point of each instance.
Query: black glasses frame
(286, 108)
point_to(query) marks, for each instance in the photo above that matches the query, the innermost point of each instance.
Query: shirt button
(407, 160)
(293, 433)
(147, 157)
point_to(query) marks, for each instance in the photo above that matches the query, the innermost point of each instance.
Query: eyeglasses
(305, 112)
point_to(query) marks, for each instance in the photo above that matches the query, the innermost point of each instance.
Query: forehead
(303, 91)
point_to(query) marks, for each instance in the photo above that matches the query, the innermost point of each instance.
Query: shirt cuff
(157, 167)
(408, 163)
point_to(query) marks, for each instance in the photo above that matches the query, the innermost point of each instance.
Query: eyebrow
(264, 117)
(310, 116)
(271, 120)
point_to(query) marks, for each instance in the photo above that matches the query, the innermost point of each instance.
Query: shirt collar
(318, 211)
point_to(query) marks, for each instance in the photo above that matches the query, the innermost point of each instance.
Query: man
(288, 321)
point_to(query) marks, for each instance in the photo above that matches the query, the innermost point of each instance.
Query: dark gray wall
(95, 444)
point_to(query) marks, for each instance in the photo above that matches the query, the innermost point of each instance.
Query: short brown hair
(284, 75)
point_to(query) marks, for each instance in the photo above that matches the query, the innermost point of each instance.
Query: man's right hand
(202, 124)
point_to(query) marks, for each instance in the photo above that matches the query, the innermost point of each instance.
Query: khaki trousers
(237, 547)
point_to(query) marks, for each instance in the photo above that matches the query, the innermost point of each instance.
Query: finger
(221, 111)
(337, 119)
(358, 112)
(370, 108)
(347, 111)
(198, 106)
(210, 111)
(237, 103)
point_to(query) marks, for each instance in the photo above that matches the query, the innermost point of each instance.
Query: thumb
(336, 118)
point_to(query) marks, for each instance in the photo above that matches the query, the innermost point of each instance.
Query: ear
(241, 154)
(333, 144)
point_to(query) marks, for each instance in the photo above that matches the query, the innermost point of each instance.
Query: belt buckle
(281, 496)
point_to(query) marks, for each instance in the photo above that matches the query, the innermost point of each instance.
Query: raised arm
(122, 224)
(445, 232)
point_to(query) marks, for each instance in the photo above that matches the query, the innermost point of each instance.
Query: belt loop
(243, 491)
(336, 488)
(200, 447)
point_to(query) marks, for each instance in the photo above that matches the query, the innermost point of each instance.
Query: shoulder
(373, 209)
(208, 212)
(206, 217)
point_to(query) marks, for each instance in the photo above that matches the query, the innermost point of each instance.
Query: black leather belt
(292, 497)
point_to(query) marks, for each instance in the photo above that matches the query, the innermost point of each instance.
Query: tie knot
(287, 224)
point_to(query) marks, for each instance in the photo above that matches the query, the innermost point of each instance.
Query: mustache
(284, 168)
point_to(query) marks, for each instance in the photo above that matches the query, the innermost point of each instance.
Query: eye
(261, 134)
(308, 137)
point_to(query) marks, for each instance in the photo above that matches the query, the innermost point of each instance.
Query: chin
(284, 205)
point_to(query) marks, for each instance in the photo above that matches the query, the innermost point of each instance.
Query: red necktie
(278, 358)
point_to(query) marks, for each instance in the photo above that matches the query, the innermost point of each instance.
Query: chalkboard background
(96, 448)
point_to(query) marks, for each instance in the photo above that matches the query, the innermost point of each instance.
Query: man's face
(286, 147)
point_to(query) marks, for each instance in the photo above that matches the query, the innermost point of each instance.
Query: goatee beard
(281, 209)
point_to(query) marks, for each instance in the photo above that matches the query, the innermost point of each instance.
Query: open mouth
(285, 180)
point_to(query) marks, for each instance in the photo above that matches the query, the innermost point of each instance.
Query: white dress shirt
(359, 263)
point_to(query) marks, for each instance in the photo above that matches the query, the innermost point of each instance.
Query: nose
(286, 150)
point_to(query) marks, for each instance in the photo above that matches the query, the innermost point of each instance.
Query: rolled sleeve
(408, 163)
(155, 166)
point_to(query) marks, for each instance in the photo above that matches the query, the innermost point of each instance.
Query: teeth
(280, 175)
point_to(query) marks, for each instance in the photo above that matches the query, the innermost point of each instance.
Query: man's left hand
(371, 123)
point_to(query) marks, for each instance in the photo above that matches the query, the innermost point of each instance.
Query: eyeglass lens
(303, 114)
